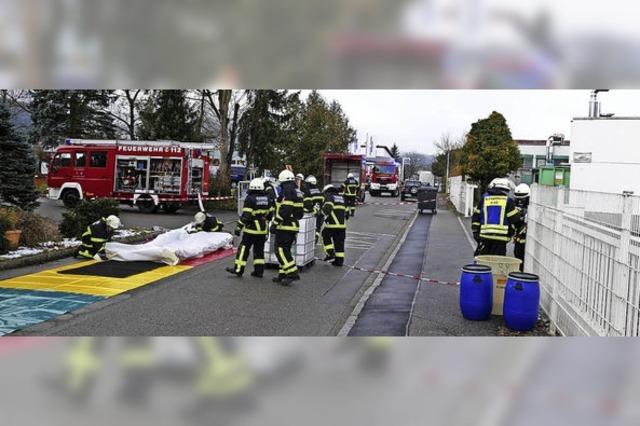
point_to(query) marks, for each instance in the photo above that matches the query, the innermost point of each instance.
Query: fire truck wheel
(171, 207)
(146, 206)
(70, 198)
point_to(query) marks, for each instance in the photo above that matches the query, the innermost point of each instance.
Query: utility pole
(446, 179)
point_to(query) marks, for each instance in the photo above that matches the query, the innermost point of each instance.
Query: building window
(527, 162)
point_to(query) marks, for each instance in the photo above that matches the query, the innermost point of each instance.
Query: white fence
(461, 195)
(585, 246)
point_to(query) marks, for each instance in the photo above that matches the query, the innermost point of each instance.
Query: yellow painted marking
(51, 280)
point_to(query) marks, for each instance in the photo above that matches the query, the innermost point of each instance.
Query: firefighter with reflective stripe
(254, 227)
(96, 237)
(313, 202)
(289, 210)
(334, 233)
(205, 222)
(521, 199)
(350, 191)
(494, 219)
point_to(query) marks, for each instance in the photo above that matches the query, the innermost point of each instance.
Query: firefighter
(521, 199)
(334, 233)
(494, 219)
(254, 227)
(350, 190)
(313, 202)
(205, 222)
(300, 181)
(289, 210)
(96, 237)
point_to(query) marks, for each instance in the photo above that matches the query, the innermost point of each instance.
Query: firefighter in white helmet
(521, 198)
(95, 238)
(254, 226)
(334, 233)
(495, 218)
(205, 222)
(350, 192)
(285, 226)
(313, 200)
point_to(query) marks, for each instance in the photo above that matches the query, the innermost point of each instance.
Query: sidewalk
(436, 311)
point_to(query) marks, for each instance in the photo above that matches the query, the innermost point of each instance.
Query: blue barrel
(476, 292)
(521, 301)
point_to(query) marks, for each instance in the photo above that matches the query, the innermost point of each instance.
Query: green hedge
(75, 220)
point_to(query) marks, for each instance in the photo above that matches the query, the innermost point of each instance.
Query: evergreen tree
(167, 114)
(60, 114)
(18, 166)
(264, 133)
(490, 151)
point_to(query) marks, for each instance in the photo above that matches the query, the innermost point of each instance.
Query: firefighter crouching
(313, 200)
(334, 233)
(289, 210)
(521, 199)
(254, 227)
(96, 237)
(495, 218)
(205, 222)
(350, 192)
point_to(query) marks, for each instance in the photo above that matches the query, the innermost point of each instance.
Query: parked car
(410, 189)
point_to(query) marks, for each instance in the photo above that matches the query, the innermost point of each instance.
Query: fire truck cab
(145, 174)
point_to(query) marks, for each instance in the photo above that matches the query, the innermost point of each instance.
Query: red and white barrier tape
(420, 278)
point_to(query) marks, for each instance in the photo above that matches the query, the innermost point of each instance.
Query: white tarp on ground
(171, 247)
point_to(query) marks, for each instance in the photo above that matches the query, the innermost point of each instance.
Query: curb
(51, 255)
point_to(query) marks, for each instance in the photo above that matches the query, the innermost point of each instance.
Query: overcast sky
(415, 118)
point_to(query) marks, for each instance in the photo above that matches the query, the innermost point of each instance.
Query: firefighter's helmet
(329, 188)
(286, 176)
(311, 180)
(350, 176)
(113, 222)
(502, 184)
(522, 191)
(200, 217)
(256, 185)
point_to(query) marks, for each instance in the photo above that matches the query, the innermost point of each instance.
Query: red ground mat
(216, 255)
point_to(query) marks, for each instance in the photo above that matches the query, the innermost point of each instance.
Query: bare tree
(227, 108)
(124, 110)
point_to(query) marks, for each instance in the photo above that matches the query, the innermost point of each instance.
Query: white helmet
(328, 187)
(501, 183)
(113, 222)
(350, 176)
(256, 185)
(200, 217)
(522, 191)
(300, 176)
(311, 180)
(286, 176)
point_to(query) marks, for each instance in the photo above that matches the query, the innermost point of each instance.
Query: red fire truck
(145, 174)
(384, 176)
(338, 165)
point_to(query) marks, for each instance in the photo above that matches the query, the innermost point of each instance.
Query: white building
(534, 155)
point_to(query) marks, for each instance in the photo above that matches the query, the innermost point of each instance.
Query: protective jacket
(335, 212)
(496, 217)
(289, 208)
(95, 238)
(257, 213)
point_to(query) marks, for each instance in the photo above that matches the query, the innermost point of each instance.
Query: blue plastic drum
(476, 292)
(521, 301)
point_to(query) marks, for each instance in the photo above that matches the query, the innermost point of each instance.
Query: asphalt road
(207, 301)
(515, 382)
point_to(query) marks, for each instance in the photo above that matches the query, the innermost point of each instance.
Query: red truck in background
(384, 176)
(338, 165)
(145, 174)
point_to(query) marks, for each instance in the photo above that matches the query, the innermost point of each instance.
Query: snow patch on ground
(60, 245)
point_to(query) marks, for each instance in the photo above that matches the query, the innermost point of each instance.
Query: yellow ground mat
(51, 280)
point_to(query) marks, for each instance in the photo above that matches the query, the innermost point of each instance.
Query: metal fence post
(557, 251)
(620, 285)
